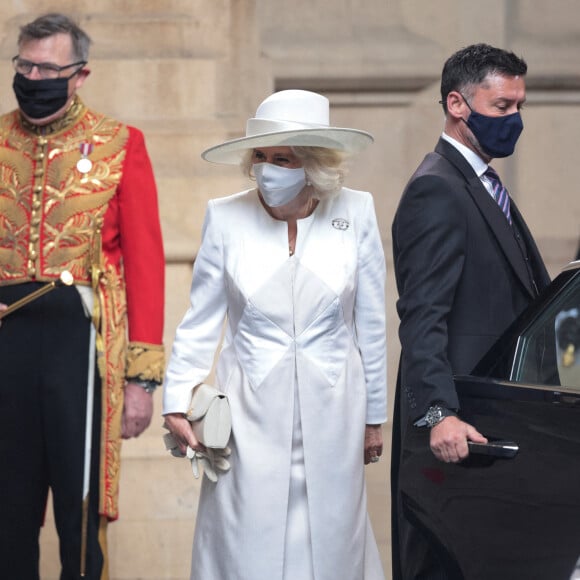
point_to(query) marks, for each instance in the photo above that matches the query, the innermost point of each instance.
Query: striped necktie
(500, 193)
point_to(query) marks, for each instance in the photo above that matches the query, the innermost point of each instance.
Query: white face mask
(279, 185)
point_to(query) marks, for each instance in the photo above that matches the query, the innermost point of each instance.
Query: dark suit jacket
(463, 275)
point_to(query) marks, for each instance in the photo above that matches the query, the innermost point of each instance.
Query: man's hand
(448, 439)
(137, 411)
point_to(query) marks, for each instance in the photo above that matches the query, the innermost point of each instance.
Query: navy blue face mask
(497, 136)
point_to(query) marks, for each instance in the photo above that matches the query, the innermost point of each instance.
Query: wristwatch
(434, 415)
(147, 386)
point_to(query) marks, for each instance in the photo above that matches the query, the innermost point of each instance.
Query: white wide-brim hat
(290, 118)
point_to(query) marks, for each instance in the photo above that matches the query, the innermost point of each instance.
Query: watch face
(434, 415)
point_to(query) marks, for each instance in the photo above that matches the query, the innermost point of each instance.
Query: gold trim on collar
(70, 116)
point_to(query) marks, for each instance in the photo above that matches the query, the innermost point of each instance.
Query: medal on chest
(84, 164)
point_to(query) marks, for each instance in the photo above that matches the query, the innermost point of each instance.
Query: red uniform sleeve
(141, 244)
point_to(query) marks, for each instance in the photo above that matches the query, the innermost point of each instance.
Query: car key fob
(494, 448)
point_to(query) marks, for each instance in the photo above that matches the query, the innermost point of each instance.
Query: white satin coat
(314, 322)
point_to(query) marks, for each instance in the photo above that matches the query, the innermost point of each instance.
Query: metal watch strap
(434, 415)
(148, 386)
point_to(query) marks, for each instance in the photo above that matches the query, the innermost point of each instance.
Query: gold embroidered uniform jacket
(102, 226)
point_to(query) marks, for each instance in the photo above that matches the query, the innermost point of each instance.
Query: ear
(81, 77)
(456, 105)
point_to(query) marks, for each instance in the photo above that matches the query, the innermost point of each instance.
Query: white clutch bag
(210, 416)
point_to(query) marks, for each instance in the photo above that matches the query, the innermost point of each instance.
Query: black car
(511, 510)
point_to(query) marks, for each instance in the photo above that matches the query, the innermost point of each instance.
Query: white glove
(171, 445)
(212, 461)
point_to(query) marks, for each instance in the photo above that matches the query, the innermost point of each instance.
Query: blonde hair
(324, 167)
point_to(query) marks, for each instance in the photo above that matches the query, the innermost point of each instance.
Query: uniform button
(37, 189)
(34, 237)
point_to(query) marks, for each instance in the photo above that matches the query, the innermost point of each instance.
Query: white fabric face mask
(279, 185)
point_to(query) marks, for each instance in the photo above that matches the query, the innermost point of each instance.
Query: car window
(548, 351)
(567, 326)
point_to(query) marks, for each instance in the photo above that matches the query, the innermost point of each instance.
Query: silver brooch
(340, 224)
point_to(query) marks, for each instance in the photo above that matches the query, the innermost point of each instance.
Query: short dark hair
(472, 64)
(55, 23)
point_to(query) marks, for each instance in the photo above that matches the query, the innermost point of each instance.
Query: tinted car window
(548, 351)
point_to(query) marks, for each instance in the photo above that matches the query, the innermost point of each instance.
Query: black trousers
(414, 556)
(44, 349)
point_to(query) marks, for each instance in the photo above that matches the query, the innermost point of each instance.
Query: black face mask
(40, 98)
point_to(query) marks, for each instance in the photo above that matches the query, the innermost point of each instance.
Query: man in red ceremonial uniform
(77, 194)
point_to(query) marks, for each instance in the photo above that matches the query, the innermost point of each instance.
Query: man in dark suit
(466, 266)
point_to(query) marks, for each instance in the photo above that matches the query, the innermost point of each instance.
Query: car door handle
(566, 399)
(507, 449)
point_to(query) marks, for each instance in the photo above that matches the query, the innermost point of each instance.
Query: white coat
(309, 328)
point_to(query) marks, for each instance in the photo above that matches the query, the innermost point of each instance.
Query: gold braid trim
(113, 332)
(72, 115)
(97, 270)
(145, 362)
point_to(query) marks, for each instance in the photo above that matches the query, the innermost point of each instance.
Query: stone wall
(190, 72)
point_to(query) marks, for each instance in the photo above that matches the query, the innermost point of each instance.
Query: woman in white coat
(296, 268)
